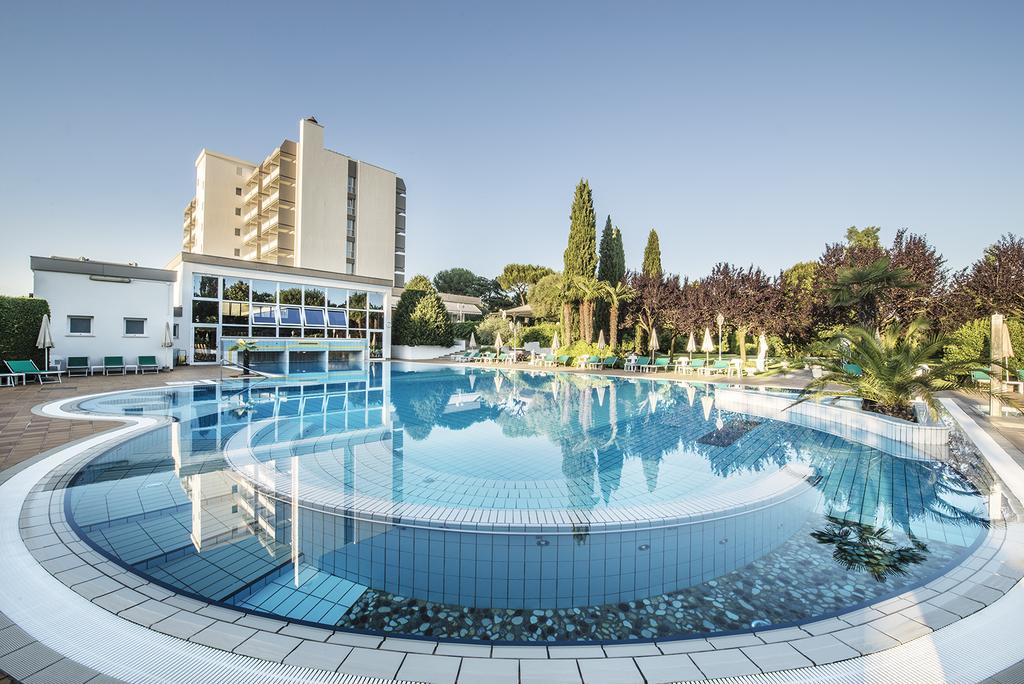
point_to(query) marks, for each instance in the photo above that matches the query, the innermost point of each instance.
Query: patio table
(131, 367)
(11, 379)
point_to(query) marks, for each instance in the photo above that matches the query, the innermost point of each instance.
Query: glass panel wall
(241, 307)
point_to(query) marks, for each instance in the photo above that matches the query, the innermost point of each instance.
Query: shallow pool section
(485, 504)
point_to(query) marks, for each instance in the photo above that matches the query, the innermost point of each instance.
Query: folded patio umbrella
(472, 340)
(762, 352)
(45, 340)
(168, 342)
(554, 342)
(654, 340)
(708, 345)
(691, 346)
(600, 340)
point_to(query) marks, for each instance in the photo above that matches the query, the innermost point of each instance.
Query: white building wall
(321, 203)
(217, 178)
(375, 222)
(108, 303)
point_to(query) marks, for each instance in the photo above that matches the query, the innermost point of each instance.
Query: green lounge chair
(562, 360)
(696, 366)
(549, 360)
(486, 357)
(148, 363)
(980, 377)
(78, 365)
(637, 365)
(660, 363)
(853, 369)
(29, 369)
(113, 363)
(717, 367)
(593, 362)
(610, 361)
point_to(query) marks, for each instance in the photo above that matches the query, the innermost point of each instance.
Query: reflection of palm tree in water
(869, 548)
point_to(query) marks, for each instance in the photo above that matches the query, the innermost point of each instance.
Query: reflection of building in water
(226, 506)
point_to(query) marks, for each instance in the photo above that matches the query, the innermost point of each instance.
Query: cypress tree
(420, 317)
(611, 268)
(580, 257)
(652, 255)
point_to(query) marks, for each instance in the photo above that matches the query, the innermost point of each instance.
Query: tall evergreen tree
(610, 269)
(580, 257)
(652, 256)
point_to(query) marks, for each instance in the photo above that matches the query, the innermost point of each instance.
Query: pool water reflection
(510, 505)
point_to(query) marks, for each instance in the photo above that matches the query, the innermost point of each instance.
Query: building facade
(300, 319)
(304, 206)
(100, 309)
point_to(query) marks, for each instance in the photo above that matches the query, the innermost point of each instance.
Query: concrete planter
(891, 435)
(422, 352)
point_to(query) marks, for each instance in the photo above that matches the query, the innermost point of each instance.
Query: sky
(746, 132)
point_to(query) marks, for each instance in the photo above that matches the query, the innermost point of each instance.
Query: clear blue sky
(751, 133)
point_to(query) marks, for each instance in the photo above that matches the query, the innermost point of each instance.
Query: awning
(463, 308)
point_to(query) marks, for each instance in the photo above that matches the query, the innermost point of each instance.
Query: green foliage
(463, 329)
(580, 255)
(860, 288)
(487, 330)
(973, 340)
(517, 278)
(545, 297)
(611, 268)
(863, 238)
(461, 281)
(897, 366)
(20, 318)
(581, 348)
(652, 256)
(541, 332)
(420, 317)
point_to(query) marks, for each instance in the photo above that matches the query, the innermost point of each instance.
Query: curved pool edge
(893, 660)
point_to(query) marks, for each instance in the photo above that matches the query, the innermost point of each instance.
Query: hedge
(20, 318)
(971, 341)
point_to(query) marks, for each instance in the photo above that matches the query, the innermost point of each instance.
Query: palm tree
(860, 288)
(587, 291)
(890, 370)
(616, 294)
(246, 347)
(865, 547)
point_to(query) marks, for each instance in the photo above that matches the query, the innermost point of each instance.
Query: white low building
(100, 309)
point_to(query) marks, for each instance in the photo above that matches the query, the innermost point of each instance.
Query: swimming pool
(486, 504)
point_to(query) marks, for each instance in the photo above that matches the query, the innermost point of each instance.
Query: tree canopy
(461, 281)
(420, 317)
(517, 278)
(652, 255)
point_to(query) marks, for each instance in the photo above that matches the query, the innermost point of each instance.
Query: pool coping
(935, 610)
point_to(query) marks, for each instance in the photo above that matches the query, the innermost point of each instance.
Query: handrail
(261, 376)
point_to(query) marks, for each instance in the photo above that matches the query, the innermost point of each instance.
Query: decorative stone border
(946, 613)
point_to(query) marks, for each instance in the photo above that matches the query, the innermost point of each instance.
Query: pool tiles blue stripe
(319, 596)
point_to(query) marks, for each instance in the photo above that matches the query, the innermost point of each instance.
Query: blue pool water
(473, 503)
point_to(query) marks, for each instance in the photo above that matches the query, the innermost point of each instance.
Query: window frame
(91, 319)
(133, 319)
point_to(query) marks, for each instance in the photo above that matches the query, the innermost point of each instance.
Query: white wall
(322, 202)
(74, 294)
(375, 222)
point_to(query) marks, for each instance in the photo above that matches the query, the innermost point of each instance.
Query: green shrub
(463, 329)
(580, 348)
(20, 318)
(487, 330)
(972, 341)
(420, 317)
(542, 333)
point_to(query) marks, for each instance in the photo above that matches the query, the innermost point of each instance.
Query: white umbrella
(1002, 347)
(654, 340)
(600, 395)
(45, 340)
(498, 342)
(472, 381)
(762, 353)
(652, 400)
(554, 342)
(498, 379)
(691, 346)
(168, 342)
(691, 392)
(472, 340)
(600, 340)
(708, 345)
(706, 403)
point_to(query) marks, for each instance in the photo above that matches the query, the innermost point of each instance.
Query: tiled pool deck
(292, 652)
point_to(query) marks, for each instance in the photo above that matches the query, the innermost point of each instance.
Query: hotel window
(350, 249)
(350, 227)
(376, 300)
(238, 212)
(205, 287)
(238, 191)
(204, 312)
(337, 319)
(238, 252)
(238, 170)
(238, 231)
(134, 327)
(291, 294)
(290, 315)
(264, 291)
(264, 315)
(314, 296)
(337, 297)
(234, 313)
(352, 184)
(351, 206)
(313, 317)
(350, 268)
(80, 325)
(236, 290)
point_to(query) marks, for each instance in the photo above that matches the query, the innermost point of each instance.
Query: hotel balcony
(251, 236)
(249, 254)
(249, 196)
(270, 224)
(251, 215)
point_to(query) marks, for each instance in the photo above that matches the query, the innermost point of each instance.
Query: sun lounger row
(79, 366)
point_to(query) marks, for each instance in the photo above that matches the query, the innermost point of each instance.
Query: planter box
(891, 435)
(422, 352)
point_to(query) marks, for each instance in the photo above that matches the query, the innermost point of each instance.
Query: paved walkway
(994, 569)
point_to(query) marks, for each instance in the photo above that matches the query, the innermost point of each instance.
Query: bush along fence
(20, 318)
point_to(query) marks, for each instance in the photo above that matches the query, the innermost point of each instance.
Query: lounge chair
(853, 369)
(562, 360)
(696, 366)
(148, 363)
(78, 365)
(113, 363)
(681, 365)
(30, 370)
(638, 364)
(721, 366)
(594, 362)
(548, 360)
(609, 362)
(660, 363)
(980, 377)
(467, 356)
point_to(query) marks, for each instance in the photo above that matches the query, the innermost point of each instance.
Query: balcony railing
(248, 197)
(251, 236)
(270, 224)
(251, 214)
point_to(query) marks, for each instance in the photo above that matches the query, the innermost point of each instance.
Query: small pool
(503, 505)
